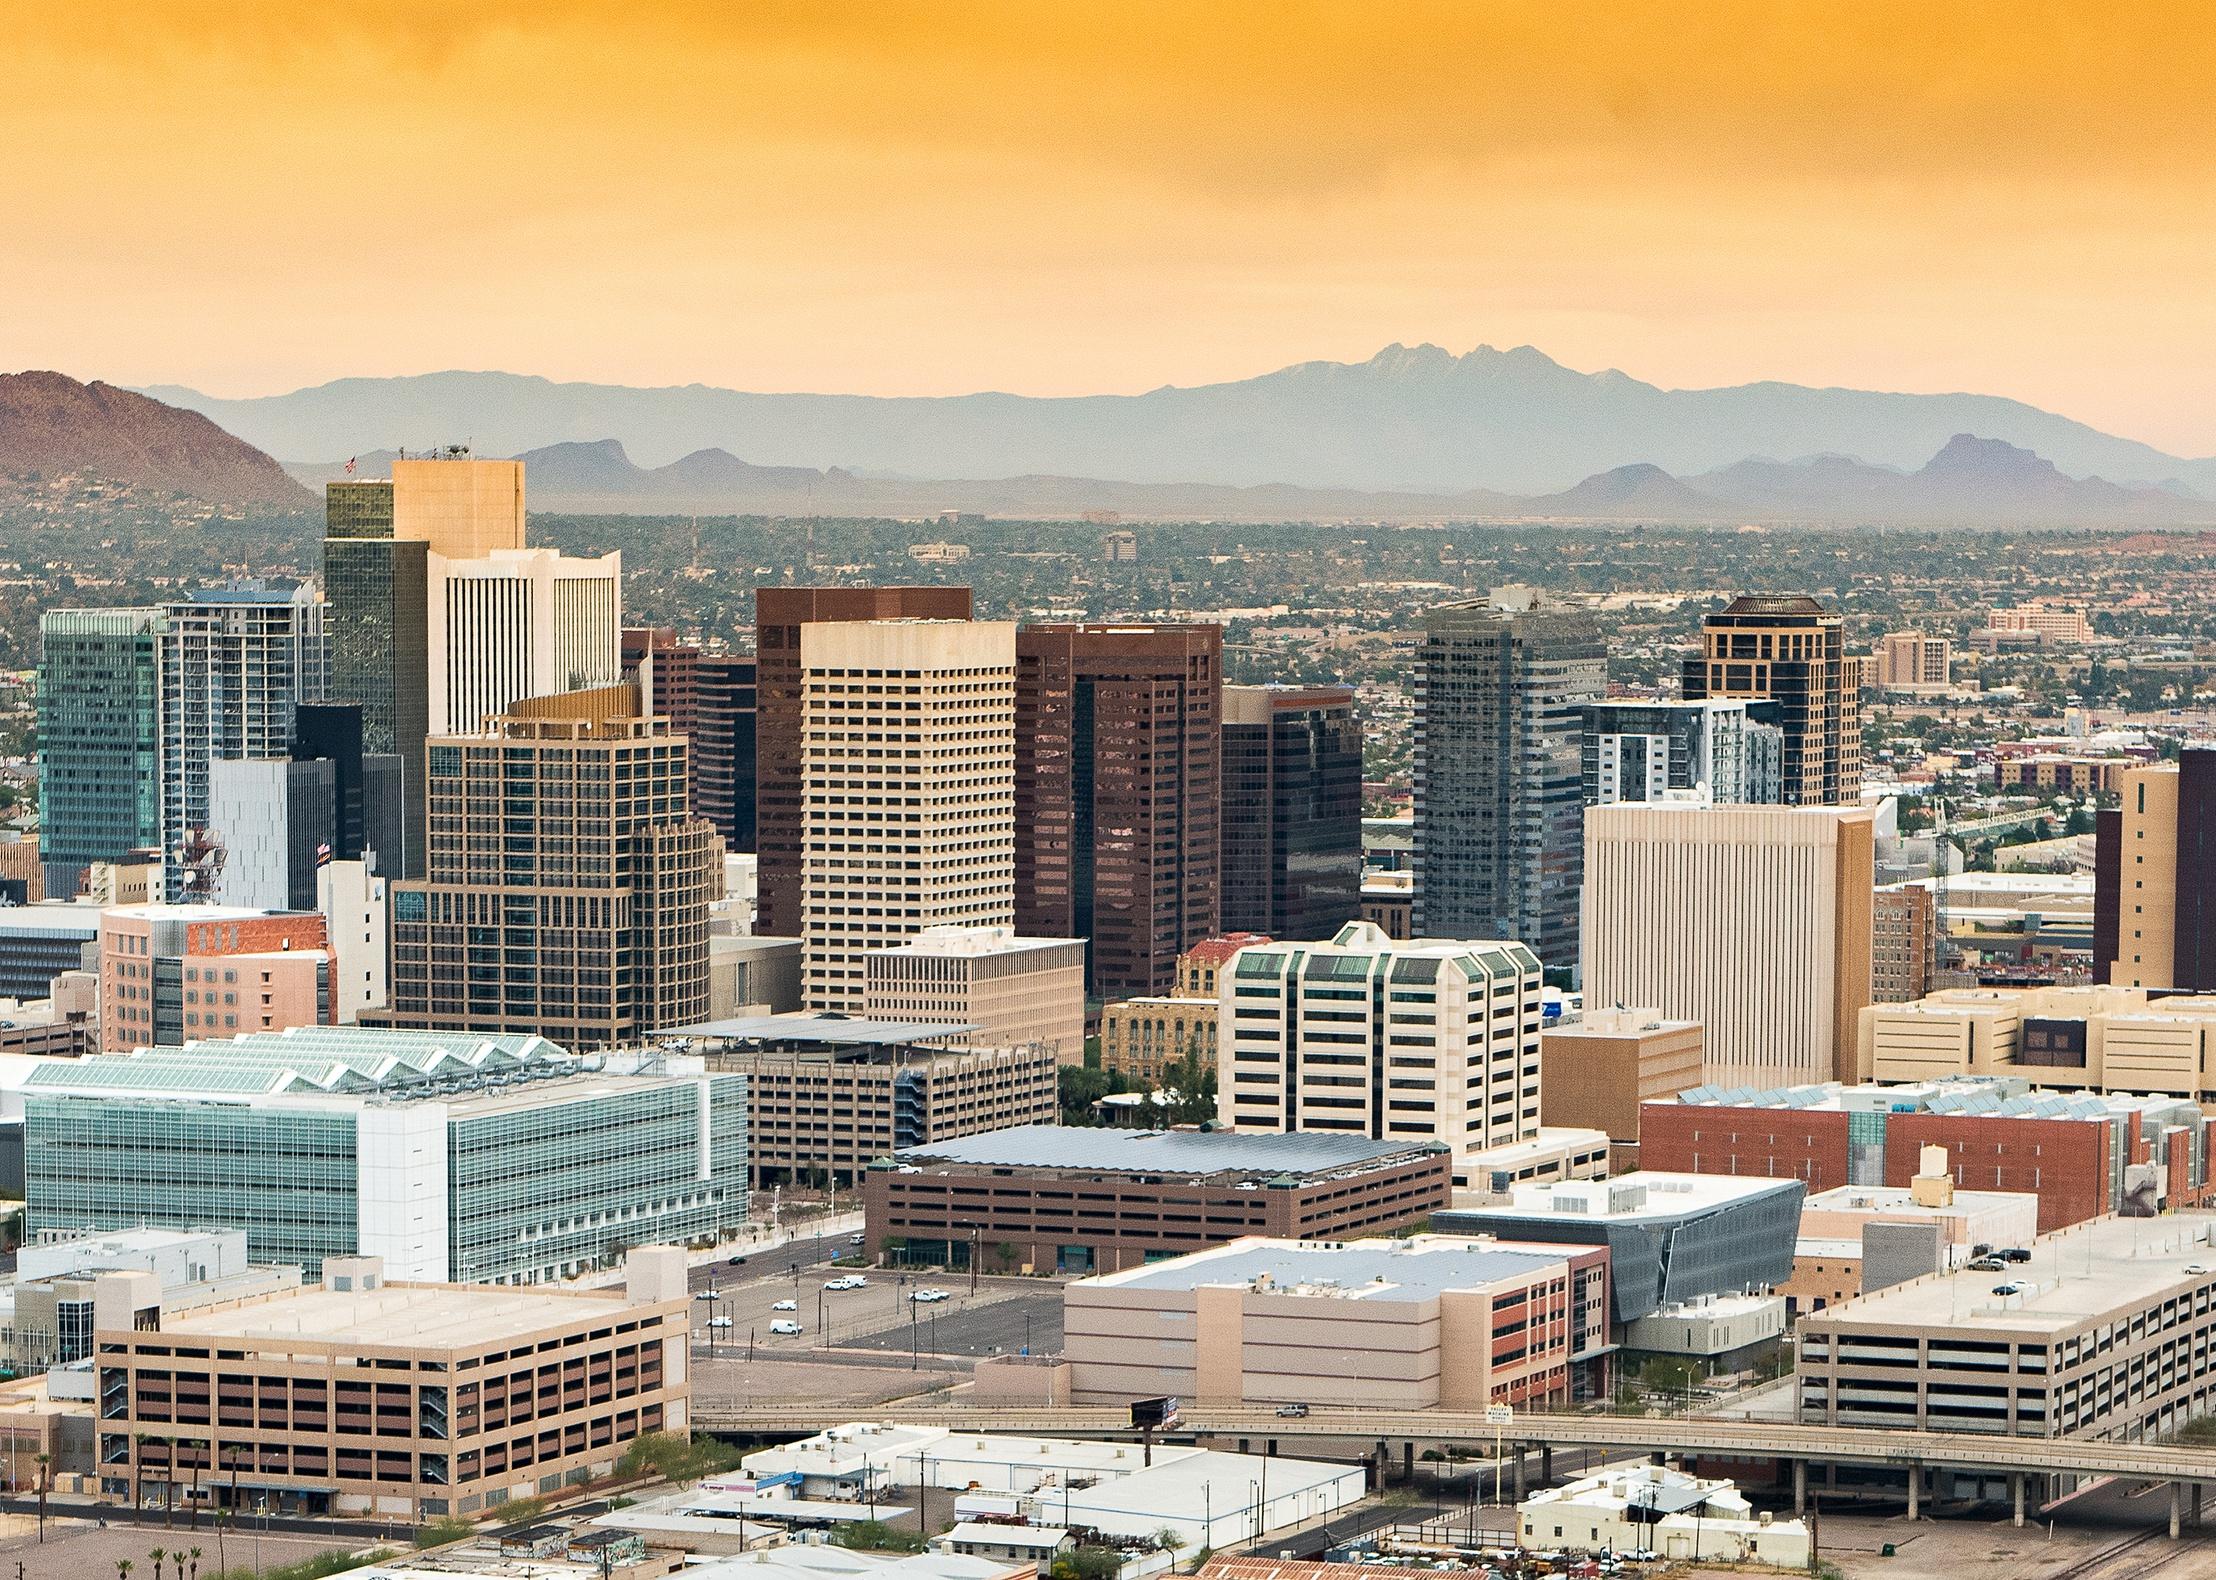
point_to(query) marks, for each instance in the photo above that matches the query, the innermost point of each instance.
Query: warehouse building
(1084, 1200)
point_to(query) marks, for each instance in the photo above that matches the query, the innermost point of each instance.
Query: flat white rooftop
(2090, 1273)
(1643, 1193)
(408, 1316)
(1417, 1269)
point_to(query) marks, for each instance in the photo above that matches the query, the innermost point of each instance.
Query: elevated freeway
(1799, 1446)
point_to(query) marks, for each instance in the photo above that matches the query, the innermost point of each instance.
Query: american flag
(350, 466)
(323, 854)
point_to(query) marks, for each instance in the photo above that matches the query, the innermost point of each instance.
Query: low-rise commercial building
(46, 1308)
(1054, 1198)
(2081, 1154)
(828, 1096)
(39, 942)
(1435, 1321)
(1672, 1238)
(495, 1159)
(1596, 1070)
(363, 1395)
(1651, 1508)
(1209, 1499)
(2107, 1330)
(2048, 773)
(1006, 991)
(1146, 1039)
(176, 973)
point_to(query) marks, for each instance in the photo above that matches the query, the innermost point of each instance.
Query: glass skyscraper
(1292, 810)
(1501, 689)
(99, 738)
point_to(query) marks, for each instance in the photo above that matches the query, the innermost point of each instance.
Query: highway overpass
(1799, 1446)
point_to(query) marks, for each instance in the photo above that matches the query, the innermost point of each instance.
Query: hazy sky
(1067, 197)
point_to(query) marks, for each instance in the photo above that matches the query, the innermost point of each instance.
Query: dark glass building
(1501, 689)
(377, 622)
(723, 747)
(99, 739)
(1118, 753)
(779, 613)
(1792, 651)
(1292, 810)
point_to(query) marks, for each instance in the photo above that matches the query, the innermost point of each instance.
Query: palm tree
(45, 1476)
(123, 1569)
(156, 1556)
(194, 1555)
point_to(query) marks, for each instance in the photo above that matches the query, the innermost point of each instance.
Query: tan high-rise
(465, 509)
(1754, 921)
(907, 789)
(1790, 652)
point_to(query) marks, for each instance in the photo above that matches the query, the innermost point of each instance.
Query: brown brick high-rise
(1118, 751)
(779, 613)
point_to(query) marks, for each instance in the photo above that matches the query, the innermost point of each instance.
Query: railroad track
(2125, 1557)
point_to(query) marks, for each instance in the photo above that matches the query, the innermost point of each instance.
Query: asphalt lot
(873, 1320)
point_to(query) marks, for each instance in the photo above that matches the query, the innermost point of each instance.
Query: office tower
(723, 746)
(1904, 943)
(780, 614)
(237, 661)
(580, 910)
(1501, 685)
(1010, 992)
(99, 739)
(907, 781)
(171, 974)
(518, 623)
(274, 821)
(379, 538)
(1912, 661)
(1754, 921)
(1641, 751)
(667, 673)
(1292, 810)
(2154, 877)
(1427, 1040)
(1118, 753)
(367, 785)
(1791, 651)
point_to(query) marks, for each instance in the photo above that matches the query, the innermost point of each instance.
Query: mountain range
(1410, 419)
(51, 425)
(1971, 481)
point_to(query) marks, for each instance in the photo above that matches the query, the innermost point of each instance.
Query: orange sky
(1067, 197)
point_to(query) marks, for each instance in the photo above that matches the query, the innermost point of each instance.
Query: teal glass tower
(99, 739)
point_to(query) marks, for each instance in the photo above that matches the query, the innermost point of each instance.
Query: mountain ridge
(52, 424)
(1408, 419)
(1969, 482)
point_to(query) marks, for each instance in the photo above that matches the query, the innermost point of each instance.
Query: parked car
(1293, 1411)
(710, 1293)
(2014, 1253)
(786, 1305)
(1988, 1264)
(785, 1328)
(929, 1296)
(719, 1322)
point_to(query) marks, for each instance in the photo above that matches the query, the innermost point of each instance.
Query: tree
(158, 1557)
(123, 1568)
(194, 1555)
(1193, 1084)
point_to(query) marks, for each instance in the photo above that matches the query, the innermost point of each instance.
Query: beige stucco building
(1754, 921)
(1432, 1321)
(907, 789)
(2104, 1039)
(1015, 991)
(1595, 1072)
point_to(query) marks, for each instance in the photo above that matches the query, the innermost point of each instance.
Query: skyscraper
(1753, 920)
(237, 661)
(907, 789)
(1118, 773)
(1500, 691)
(1641, 751)
(99, 739)
(1292, 810)
(723, 746)
(667, 673)
(580, 910)
(2154, 878)
(780, 614)
(518, 623)
(1792, 651)
(379, 542)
